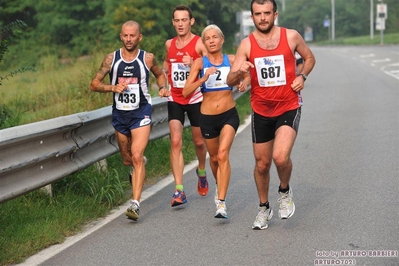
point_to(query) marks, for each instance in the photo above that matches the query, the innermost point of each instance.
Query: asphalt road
(345, 184)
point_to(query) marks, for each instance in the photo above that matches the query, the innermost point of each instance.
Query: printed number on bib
(180, 74)
(129, 99)
(270, 71)
(218, 80)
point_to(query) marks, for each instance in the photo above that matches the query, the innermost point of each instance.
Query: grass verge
(388, 39)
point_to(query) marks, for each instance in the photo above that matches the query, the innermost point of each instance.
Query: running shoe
(221, 211)
(202, 186)
(131, 172)
(133, 211)
(179, 198)
(287, 206)
(262, 217)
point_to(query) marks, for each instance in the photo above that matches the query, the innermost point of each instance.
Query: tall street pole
(332, 20)
(371, 19)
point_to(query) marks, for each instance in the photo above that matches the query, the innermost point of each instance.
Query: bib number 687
(270, 72)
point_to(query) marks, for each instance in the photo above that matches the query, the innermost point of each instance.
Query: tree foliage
(7, 32)
(352, 18)
(7, 117)
(74, 28)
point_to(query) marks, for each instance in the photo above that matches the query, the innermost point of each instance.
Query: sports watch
(304, 76)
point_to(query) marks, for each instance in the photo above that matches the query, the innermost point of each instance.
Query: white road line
(367, 55)
(393, 72)
(382, 60)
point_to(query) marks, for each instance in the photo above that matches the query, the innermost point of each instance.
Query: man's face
(131, 37)
(263, 16)
(182, 22)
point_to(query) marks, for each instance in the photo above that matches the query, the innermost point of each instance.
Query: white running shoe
(287, 206)
(133, 211)
(221, 211)
(262, 217)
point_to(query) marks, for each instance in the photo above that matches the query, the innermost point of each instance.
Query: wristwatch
(304, 76)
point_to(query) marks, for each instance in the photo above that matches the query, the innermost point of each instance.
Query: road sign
(308, 36)
(246, 18)
(326, 23)
(382, 11)
(380, 24)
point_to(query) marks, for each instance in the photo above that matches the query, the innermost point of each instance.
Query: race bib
(180, 74)
(270, 71)
(217, 80)
(129, 99)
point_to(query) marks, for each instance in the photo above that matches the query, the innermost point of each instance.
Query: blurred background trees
(65, 42)
(74, 28)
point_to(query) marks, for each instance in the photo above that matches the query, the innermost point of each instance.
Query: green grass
(35, 221)
(56, 89)
(388, 39)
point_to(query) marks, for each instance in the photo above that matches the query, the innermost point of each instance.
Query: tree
(223, 14)
(70, 25)
(7, 32)
(352, 18)
(68, 29)
(155, 19)
(7, 117)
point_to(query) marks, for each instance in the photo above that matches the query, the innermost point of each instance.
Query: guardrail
(35, 155)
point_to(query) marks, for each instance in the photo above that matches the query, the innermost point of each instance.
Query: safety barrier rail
(35, 155)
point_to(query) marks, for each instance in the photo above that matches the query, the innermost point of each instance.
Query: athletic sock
(201, 172)
(264, 205)
(180, 187)
(284, 190)
(138, 203)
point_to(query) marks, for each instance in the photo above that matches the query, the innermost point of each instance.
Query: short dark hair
(182, 8)
(261, 2)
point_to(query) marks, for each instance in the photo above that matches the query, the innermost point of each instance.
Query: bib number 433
(129, 99)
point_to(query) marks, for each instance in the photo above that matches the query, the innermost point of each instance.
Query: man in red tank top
(181, 51)
(268, 54)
